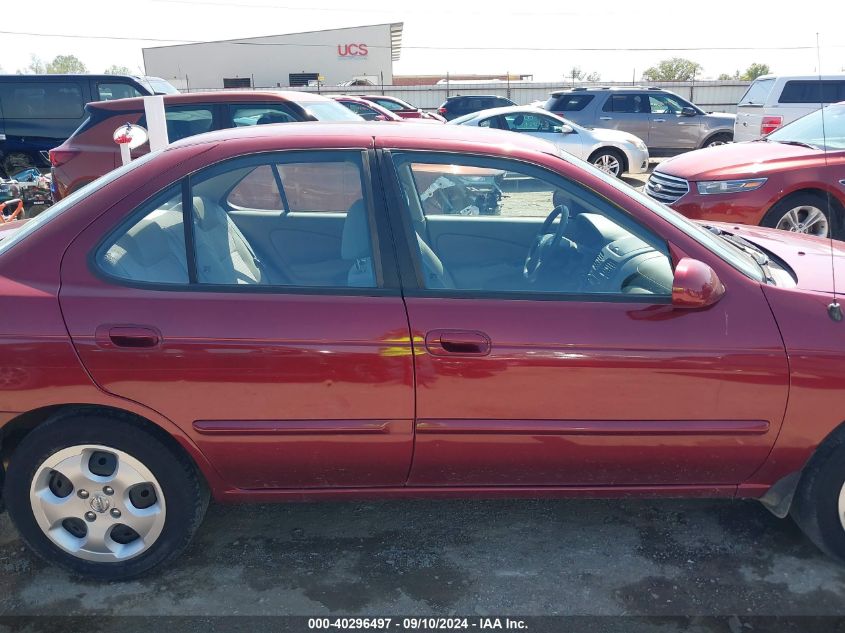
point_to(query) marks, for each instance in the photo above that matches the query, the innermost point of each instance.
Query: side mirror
(380, 117)
(695, 285)
(688, 111)
(566, 129)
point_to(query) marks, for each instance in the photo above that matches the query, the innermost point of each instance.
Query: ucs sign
(352, 50)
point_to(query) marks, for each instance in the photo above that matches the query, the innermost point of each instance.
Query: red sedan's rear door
(281, 385)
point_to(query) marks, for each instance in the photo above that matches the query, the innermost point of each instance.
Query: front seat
(355, 247)
(224, 256)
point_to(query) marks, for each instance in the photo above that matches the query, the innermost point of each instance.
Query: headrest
(208, 215)
(355, 242)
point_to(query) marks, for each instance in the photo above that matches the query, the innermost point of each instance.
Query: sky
(490, 23)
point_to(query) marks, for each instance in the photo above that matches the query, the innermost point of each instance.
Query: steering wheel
(545, 242)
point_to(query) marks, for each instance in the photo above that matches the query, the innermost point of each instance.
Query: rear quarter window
(812, 91)
(757, 93)
(568, 103)
(42, 100)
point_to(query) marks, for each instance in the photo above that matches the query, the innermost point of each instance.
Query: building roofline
(396, 29)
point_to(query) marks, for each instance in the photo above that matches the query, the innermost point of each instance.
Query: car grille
(667, 189)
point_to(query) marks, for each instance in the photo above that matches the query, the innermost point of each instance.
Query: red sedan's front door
(281, 386)
(564, 381)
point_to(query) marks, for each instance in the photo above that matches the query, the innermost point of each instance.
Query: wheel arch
(835, 198)
(714, 134)
(16, 429)
(780, 496)
(620, 154)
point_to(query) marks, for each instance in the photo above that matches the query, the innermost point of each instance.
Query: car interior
(315, 231)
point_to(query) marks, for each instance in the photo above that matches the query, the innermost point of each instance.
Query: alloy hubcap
(608, 164)
(97, 503)
(715, 143)
(805, 219)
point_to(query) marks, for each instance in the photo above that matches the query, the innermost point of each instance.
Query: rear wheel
(102, 497)
(802, 213)
(609, 161)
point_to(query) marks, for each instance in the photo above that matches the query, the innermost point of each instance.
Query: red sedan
(367, 110)
(792, 179)
(181, 334)
(403, 108)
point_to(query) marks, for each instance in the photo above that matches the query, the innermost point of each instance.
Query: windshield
(733, 255)
(67, 203)
(160, 86)
(329, 111)
(824, 129)
(757, 93)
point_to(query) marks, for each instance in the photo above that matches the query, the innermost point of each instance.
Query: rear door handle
(128, 336)
(659, 120)
(605, 118)
(457, 343)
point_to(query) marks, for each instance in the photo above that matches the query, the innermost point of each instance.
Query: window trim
(410, 265)
(387, 278)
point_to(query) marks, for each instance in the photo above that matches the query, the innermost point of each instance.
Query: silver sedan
(612, 151)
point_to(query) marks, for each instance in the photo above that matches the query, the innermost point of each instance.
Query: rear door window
(630, 103)
(42, 100)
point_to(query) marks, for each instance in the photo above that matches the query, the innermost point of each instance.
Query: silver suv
(666, 122)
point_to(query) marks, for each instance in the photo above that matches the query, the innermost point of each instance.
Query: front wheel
(609, 161)
(102, 497)
(803, 213)
(719, 139)
(819, 505)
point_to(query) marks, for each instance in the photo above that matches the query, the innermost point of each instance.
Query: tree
(66, 64)
(576, 74)
(751, 73)
(674, 69)
(755, 70)
(114, 69)
(36, 66)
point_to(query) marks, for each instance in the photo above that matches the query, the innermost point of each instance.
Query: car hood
(612, 136)
(722, 118)
(808, 256)
(736, 160)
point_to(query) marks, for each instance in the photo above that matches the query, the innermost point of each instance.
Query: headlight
(640, 145)
(709, 187)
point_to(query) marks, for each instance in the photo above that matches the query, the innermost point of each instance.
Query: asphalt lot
(521, 557)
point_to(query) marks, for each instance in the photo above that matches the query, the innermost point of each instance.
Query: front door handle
(457, 343)
(605, 118)
(128, 336)
(659, 120)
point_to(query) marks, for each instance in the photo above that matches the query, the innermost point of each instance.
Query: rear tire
(819, 505)
(610, 161)
(801, 213)
(112, 475)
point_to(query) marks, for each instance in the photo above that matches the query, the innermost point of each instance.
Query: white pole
(156, 122)
(125, 153)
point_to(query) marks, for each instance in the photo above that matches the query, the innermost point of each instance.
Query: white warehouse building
(276, 61)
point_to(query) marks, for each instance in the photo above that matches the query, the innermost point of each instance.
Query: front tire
(609, 161)
(719, 139)
(805, 213)
(819, 505)
(103, 497)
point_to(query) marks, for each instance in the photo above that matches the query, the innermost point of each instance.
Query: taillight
(59, 157)
(770, 124)
(441, 111)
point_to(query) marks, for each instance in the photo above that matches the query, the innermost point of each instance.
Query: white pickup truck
(772, 101)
